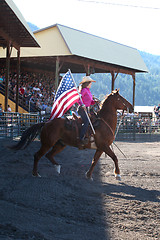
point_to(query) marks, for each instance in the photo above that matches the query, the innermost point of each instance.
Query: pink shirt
(86, 97)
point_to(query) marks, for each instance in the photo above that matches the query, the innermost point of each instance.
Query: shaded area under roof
(14, 28)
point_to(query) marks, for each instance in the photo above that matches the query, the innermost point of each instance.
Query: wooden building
(63, 48)
(14, 34)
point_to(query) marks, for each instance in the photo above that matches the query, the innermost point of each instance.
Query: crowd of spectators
(37, 88)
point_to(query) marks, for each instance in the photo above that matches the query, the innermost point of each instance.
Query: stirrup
(82, 143)
(85, 141)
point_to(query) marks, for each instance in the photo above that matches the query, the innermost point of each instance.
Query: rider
(87, 101)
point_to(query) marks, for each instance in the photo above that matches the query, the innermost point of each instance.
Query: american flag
(65, 97)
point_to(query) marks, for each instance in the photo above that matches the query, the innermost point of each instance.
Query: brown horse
(55, 135)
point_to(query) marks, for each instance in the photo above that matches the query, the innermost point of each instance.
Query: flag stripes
(66, 96)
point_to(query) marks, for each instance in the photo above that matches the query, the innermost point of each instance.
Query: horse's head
(120, 102)
(117, 101)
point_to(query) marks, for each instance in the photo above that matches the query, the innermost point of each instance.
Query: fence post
(134, 129)
(11, 126)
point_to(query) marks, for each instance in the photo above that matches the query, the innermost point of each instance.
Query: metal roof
(14, 28)
(100, 49)
(80, 51)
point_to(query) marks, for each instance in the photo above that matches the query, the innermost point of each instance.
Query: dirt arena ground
(70, 207)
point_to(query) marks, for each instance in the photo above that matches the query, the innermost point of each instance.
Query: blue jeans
(85, 123)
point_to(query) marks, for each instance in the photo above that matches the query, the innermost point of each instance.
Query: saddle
(74, 123)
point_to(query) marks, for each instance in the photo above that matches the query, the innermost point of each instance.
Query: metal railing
(137, 128)
(13, 124)
(131, 128)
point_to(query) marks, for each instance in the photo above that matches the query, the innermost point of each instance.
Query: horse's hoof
(118, 177)
(36, 175)
(89, 178)
(58, 168)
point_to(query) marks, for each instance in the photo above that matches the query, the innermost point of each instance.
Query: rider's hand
(97, 101)
(83, 106)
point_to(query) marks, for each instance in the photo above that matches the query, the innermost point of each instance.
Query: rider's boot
(82, 143)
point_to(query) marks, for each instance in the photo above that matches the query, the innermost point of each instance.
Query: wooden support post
(112, 87)
(87, 69)
(17, 83)
(134, 85)
(57, 74)
(113, 79)
(7, 77)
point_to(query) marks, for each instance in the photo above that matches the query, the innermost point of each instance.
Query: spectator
(156, 111)
(27, 96)
(48, 109)
(1, 78)
(36, 88)
(9, 108)
(1, 110)
(44, 106)
(38, 104)
(21, 90)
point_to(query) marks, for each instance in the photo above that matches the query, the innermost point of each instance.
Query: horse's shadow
(129, 192)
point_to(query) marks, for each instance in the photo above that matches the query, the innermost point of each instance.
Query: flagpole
(82, 102)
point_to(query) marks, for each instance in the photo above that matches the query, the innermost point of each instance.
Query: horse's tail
(28, 136)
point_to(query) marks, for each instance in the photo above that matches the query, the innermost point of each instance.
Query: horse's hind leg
(37, 157)
(58, 147)
(97, 155)
(111, 154)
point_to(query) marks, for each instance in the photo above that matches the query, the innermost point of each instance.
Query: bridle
(124, 105)
(122, 116)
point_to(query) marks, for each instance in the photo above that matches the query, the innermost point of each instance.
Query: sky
(134, 23)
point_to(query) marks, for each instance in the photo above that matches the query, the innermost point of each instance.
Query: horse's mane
(104, 100)
(107, 97)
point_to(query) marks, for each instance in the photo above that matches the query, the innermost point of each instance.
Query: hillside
(147, 84)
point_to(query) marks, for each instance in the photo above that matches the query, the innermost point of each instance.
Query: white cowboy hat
(87, 79)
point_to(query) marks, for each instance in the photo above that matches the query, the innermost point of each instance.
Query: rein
(119, 123)
(116, 132)
(108, 126)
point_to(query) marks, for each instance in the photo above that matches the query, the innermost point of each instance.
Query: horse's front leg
(111, 154)
(97, 155)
